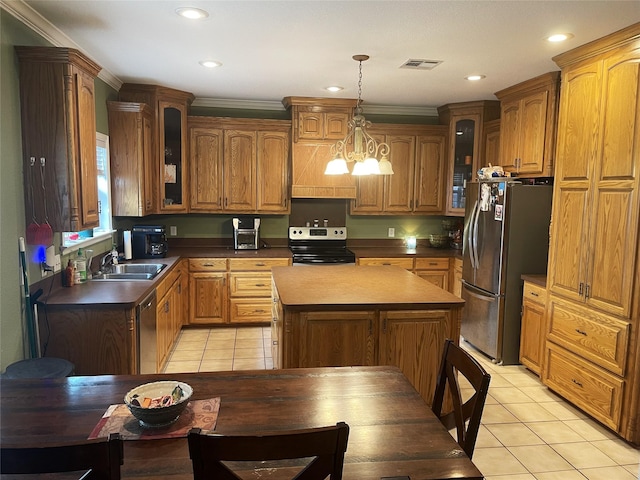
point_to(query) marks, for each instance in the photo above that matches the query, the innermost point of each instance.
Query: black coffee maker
(149, 241)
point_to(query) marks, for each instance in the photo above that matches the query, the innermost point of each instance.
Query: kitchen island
(362, 315)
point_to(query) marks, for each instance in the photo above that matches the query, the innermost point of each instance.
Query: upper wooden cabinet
(131, 146)
(169, 108)
(239, 165)
(418, 156)
(594, 235)
(57, 100)
(466, 122)
(317, 124)
(491, 142)
(528, 125)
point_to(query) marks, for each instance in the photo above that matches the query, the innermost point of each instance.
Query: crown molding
(36, 22)
(277, 105)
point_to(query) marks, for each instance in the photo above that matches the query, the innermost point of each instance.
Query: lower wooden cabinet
(169, 313)
(532, 330)
(332, 339)
(233, 291)
(593, 389)
(434, 270)
(456, 280)
(412, 340)
(208, 290)
(402, 262)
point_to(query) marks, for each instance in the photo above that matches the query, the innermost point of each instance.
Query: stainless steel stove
(320, 245)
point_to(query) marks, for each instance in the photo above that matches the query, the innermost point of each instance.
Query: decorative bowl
(157, 404)
(439, 240)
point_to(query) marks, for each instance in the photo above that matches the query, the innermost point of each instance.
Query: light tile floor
(527, 432)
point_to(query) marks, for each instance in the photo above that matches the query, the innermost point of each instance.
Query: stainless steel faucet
(107, 259)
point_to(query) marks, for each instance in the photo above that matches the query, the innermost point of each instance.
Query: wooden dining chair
(325, 446)
(466, 415)
(100, 458)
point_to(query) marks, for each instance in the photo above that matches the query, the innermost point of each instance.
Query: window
(87, 237)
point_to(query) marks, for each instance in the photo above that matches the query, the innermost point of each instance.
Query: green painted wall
(12, 216)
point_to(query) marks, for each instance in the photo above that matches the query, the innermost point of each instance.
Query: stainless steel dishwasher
(146, 330)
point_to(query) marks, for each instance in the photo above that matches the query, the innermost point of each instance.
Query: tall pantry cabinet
(592, 350)
(57, 100)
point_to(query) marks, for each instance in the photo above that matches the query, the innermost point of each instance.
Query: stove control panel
(317, 233)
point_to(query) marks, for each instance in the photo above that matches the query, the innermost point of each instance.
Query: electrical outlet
(392, 232)
(173, 230)
(57, 264)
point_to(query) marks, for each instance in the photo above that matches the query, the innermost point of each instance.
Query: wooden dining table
(393, 432)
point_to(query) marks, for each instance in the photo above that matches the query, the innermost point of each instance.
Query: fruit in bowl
(157, 404)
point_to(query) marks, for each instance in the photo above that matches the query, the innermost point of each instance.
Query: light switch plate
(173, 230)
(392, 232)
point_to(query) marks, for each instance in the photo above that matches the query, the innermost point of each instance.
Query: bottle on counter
(114, 254)
(68, 276)
(80, 267)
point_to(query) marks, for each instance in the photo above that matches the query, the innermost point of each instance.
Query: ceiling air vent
(421, 64)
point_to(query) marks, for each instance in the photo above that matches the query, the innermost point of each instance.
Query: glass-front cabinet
(169, 109)
(465, 122)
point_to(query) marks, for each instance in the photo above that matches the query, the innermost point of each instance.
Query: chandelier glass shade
(368, 156)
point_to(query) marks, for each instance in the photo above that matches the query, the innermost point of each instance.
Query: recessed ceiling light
(559, 37)
(210, 63)
(192, 13)
(334, 88)
(474, 78)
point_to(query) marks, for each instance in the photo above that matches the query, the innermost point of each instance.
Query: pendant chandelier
(358, 147)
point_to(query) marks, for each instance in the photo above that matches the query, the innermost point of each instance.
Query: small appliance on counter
(246, 233)
(149, 241)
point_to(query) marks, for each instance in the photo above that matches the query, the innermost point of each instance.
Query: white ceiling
(273, 49)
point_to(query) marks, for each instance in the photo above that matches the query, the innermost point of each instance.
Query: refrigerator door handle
(473, 250)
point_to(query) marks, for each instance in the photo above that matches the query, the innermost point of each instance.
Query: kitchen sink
(130, 271)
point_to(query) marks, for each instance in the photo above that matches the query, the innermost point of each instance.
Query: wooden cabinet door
(510, 135)
(398, 188)
(413, 340)
(616, 188)
(163, 320)
(87, 188)
(208, 292)
(335, 125)
(492, 143)
(576, 150)
(272, 172)
(439, 279)
(531, 333)
(429, 174)
(205, 161)
(369, 197)
(310, 125)
(331, 339)
(239, 170)
(173, 163)
(533, 122)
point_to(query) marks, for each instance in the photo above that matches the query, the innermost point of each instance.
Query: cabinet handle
(260, 264)
(219, 201)
(576, 382)
(433, 263)
(207, 265)
(225, 202)
(587, 291)
(581, 332)
(166, 306)
(534, 294)
(275, 342)
(261, 284)
(581, 289)
(386, 263)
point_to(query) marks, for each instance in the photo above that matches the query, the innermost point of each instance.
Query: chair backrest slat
(325, 446)
(466, 415)
(102, 456)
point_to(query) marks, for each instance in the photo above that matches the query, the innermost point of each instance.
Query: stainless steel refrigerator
(506, 234)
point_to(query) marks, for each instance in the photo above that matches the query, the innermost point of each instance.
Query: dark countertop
(396, 252)
(536, 279)
(128, 294)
